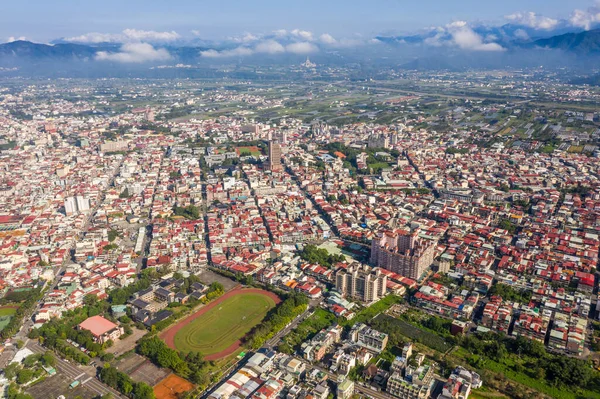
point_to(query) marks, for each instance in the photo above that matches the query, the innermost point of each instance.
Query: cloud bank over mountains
(140, 46)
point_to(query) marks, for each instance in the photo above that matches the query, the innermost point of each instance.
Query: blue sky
(44, 20)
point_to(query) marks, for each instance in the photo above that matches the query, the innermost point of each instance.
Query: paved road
(73, 371)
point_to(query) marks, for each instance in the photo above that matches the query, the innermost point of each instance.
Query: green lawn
(6, 314)
(221, 326)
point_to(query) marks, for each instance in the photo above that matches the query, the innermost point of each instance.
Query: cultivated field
(216, 330)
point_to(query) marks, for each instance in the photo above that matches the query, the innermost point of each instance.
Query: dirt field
(169, 335)
(171, 387)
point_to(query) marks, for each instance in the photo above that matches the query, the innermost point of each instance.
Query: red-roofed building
(101, 328)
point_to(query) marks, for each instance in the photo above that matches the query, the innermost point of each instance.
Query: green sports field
(6, 313)
(221, 326)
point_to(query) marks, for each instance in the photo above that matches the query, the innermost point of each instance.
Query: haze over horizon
(136, 20)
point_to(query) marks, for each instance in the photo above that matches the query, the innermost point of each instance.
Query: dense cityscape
(398, 201)
(306, 240)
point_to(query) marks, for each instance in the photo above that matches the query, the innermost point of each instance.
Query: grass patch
(223, 325)
(319, 320)
(392, 326)
(537, 384)
(6, 313)
(368, 313)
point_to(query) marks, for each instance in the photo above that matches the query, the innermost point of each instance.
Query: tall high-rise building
(274, 156)
(83, 204)
(361, 282)
(402, 252)
(70, 206)
(78, 204)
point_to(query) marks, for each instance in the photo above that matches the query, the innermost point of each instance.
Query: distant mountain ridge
(586, 43)
(25, 49)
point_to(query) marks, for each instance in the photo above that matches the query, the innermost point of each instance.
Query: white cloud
(236, 52)
(327, 39)
(465, 38)
(93, 37)
(247, 38)
(150, 35)
(302, 34)
(128, 35)
(533, 20)
(265, 47)
(521, 34)
(586, 19)
(270, 47)
(135, 53)
(301, 48)
(280, 32)
(15, 38)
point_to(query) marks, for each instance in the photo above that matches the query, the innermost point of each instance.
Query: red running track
(169, 335)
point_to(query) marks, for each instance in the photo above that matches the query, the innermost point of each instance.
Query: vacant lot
(172, 387)
(219, 326)
(208, 277)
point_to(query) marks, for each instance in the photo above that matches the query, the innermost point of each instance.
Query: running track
(169, 335)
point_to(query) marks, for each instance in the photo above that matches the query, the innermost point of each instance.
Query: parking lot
(56, 385)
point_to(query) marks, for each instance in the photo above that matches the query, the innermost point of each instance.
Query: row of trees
(26, 307)
(190, 365)
(307, 329)
(277, 319)
(124, 384)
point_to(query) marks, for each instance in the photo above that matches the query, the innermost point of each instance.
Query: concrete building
(345, 388)
(75, 205)
(274, 156)
(402, 252)
(70, 206)
(368, 338)
(361, 282)
(101, 328)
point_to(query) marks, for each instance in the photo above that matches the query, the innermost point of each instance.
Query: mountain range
(414, 52)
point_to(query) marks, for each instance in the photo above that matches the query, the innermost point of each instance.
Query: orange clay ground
(171, 387)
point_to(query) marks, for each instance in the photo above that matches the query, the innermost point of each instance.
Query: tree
(143, 391)
(11, 370)
(24, 376)
(112, 235)
(125, 193)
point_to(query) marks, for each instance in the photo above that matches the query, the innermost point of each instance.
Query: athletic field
(216, 330)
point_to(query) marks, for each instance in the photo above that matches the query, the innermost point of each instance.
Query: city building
(402, 252)
(101, 328)
(345, 388)
(368, 337)
(274, 163)
(361, 282)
